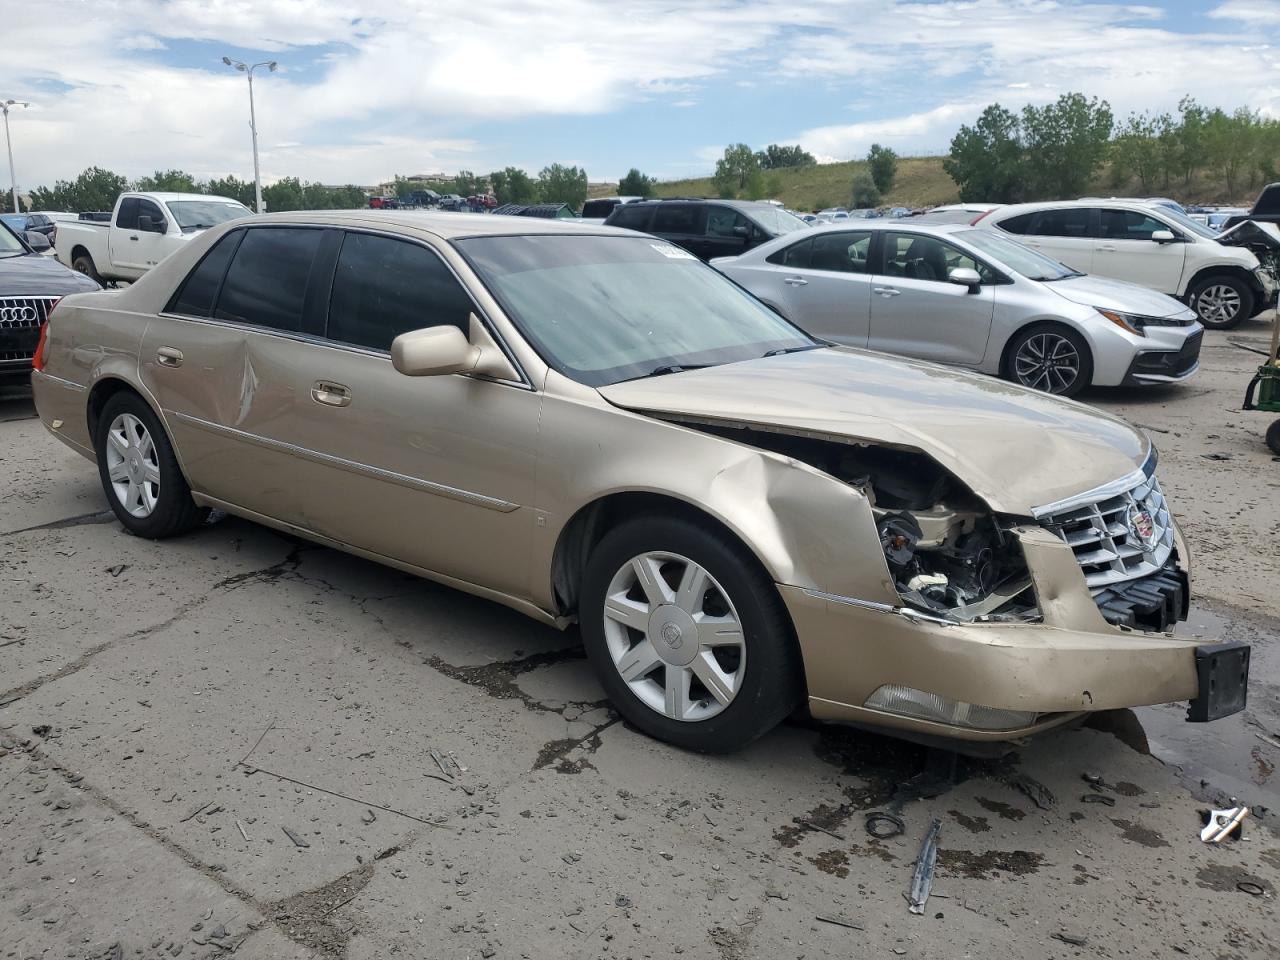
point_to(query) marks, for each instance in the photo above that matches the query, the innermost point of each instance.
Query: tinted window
(915, 256)
(127, 216)
(1068, 222)
(1018, 224)
(1128, 225)
(840, 252)
(795, 256)
(633, 216)
(384, 287)
(267, 282)
(722, 221)
(199, 292)
(148, 209)
(598, 208)
(677, 218)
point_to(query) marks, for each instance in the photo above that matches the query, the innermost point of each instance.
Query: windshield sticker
(672, 253)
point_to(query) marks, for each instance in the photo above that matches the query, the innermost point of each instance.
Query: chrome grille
(1106, 535)
(22, 313)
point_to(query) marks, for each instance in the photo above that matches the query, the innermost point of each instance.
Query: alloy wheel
(1047, 361)
(133, 466)
(674, 636)
(1218, 304)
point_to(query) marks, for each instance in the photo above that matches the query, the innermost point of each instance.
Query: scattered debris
(1221, 824)
(884, 825)
(42, 730)
(368, 817)
(838, 921)
(1270, 740)
(243, 833)
(1218, 456)
(435, 755)
(297, 840)
(1075, 939)
(118, 569)
(922, 879)
(810, 825)
(1251, 888)
(1098, 798)
(1040, 795)
(198, 810)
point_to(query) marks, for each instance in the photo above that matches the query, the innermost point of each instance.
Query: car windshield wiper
(1061, 276)
(675, 368)
(781, 350)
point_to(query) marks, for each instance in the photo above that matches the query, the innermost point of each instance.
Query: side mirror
(148, 224)
(36, 240)
(433, 352)
(742, 231)
(966, 277)
(1163, 236)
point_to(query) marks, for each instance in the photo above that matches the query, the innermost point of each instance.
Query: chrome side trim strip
(69, 384)
(413, 483)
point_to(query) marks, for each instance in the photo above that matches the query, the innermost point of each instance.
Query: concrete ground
(235, 742)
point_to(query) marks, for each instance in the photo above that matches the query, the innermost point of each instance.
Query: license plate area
(1222, 673)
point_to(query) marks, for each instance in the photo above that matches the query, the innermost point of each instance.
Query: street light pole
(247, 70)
(13, 177)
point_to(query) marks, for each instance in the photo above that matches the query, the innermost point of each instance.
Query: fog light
(908, 702)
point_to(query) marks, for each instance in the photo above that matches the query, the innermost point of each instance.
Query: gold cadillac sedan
(589, 425)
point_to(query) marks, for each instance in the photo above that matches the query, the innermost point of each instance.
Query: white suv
(1147, 244)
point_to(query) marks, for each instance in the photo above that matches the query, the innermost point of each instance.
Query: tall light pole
(13, 177)
(247, 70)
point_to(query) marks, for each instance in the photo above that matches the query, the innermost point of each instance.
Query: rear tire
(1221, 302)
(84, 264)
(1051, 358)
(140, 474)
(1273, 437)
(752, 668)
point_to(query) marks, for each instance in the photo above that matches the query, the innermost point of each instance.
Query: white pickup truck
(143, 229)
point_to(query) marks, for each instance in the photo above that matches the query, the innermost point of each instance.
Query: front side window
(723, 222)
(127, 215)
(199, 292)
(777, 221)
(1128, 225)
(678, 218)
(915, 256)
(606, 309)
(384, 287)
(267, 282)
(148, 209)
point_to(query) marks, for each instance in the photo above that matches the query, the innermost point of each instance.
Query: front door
(916, 311)
(1125, 250)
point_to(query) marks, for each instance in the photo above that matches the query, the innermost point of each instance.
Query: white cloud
(912, 133)
(1257, 12)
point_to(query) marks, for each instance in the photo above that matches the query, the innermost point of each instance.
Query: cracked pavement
(239, 742)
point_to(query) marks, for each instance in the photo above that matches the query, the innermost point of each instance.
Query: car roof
(882, 223)
(1003, 213)
(740, 204)
(444, 225)
(167, 195)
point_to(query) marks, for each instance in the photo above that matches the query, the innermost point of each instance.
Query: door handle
(1105, 246)
(169, 357)
(133, 236)
(888, 291)
(332, 394)
(796, 281)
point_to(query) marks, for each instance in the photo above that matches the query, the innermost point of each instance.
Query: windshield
(1184, 221)
(606, 309)
(202, 214)
(1019, 259)
(776, 220)
(10, 245)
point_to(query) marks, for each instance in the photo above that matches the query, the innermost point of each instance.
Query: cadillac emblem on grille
(1143, 527)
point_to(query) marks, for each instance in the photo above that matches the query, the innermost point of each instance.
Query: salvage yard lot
(239, 740)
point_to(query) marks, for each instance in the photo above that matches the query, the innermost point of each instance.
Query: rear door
(1067, 234)
(822, 283)
(1124, 250)
(917, 312)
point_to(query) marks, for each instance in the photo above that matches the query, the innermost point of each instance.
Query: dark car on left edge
(29, 287)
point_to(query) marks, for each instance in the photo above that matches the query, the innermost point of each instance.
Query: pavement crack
(101, 516)
(557, 751)
(498, 679)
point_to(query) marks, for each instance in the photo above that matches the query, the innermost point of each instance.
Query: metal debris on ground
(1040, 795)
(368, 817)
(1270, 740)
(198, 810)
(1221, 824)
(884, 825)
(1251, 888)
(1098, 798)
(838, 921)
(297, 840)
(1075, 939)
(118, 569)
(1218, 456)
(922, 878)
(810, 825)
(243, 833)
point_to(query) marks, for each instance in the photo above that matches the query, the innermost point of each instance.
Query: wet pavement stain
(1002, 810)
(1083, 876)
(873, 849)
(972, 824)
(498, 679)
(1127, 789)
(1137, 833)
(823, 815)
(834, 862)
(1262, 766)
(1226, 879)
(977, 866)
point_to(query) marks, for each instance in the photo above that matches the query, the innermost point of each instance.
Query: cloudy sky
(378, 87)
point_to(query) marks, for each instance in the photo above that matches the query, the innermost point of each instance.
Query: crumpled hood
(1117, 295)
(1015, 448)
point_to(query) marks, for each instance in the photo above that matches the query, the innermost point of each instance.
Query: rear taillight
(974, 221)
(37, 359)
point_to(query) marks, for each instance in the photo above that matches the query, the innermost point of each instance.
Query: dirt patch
(1002, 810)
(1263, 766)
(1271, 857)
(823, 815)
(1127, 789)
(1225, 879)
(972, 824)
(307, 918)
(834, 862)
(1137, 833)
(873, 849)
(735, 943)
(966, 863)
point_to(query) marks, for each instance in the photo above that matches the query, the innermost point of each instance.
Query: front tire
(688, 635)
(1050, 357)
(140, 474)
(1221, 302)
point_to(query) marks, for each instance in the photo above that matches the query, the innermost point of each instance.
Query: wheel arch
(111, 385)
(80, 250)
(1006, 352)
(1235, 271)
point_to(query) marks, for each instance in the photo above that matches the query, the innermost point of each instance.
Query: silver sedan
(959, 295)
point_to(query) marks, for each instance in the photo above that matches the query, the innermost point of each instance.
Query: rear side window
(384, 287)
(1068, 222)
(795, 256)
(267, 283)
(631, 216)
(1019, 224)
(677, 218)
(127, 215)
(598, 208)
(199, 292)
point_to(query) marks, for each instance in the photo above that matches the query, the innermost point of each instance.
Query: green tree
(986, 159)
(734, 169)
(865, 192)
(513, 185)
(1192, 138)
(466, 184)
(318, 196)
(776, 157)
(285, 194)
(175, 181)
(232, 187)
(1135, 152)
(1230, 141)
(94, 189)
(560, 184)
(754, 188)
(636, 184)
(883, 163)
(1064, 143)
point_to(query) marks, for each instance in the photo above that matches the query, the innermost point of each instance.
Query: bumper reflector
(909, 702)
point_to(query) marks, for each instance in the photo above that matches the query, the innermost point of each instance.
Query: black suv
(708, 228)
